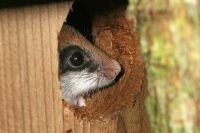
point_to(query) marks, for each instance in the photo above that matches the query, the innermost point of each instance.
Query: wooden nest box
(30, 95)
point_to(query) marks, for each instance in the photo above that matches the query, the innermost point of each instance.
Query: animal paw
(81, 101)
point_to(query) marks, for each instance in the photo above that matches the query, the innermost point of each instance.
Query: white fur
(76, 83)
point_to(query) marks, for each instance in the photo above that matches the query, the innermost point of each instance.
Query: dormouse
(82, 66)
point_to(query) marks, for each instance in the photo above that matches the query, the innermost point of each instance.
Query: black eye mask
(73, 58)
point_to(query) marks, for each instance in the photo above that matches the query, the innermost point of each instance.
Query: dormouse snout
(110, 69)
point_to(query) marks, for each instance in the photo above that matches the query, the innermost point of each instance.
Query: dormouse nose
(111, 68)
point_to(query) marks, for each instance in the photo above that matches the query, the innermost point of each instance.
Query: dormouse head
(82, 66)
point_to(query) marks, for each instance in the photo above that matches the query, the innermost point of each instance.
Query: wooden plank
(24, 71)
(15, 69)
(52, 16)
(30, 97)
(3, 102)
(103, 126)
(7, 70)
(39, 69)
(86, 127)
(56, 17)
(69, 119)
(47, 67)
(74, 124)
(31, 68)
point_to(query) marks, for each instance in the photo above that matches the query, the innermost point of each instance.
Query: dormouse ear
(63, 35)
(68, 30)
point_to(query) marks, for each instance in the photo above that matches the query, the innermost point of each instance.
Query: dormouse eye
(73, 58)
(77, 59)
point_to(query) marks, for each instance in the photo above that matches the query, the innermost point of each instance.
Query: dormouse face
(80, 70)
(82, 66)
(75, 59)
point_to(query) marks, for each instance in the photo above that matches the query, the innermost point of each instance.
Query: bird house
(30, 95)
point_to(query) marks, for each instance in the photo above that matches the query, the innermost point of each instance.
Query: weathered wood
(74, 124)
(29, 88)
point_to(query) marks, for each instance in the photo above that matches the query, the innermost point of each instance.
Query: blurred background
(170, 44)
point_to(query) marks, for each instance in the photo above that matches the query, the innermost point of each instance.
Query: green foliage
(170, 43)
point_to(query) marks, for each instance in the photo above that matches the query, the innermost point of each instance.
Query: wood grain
(30, 97)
